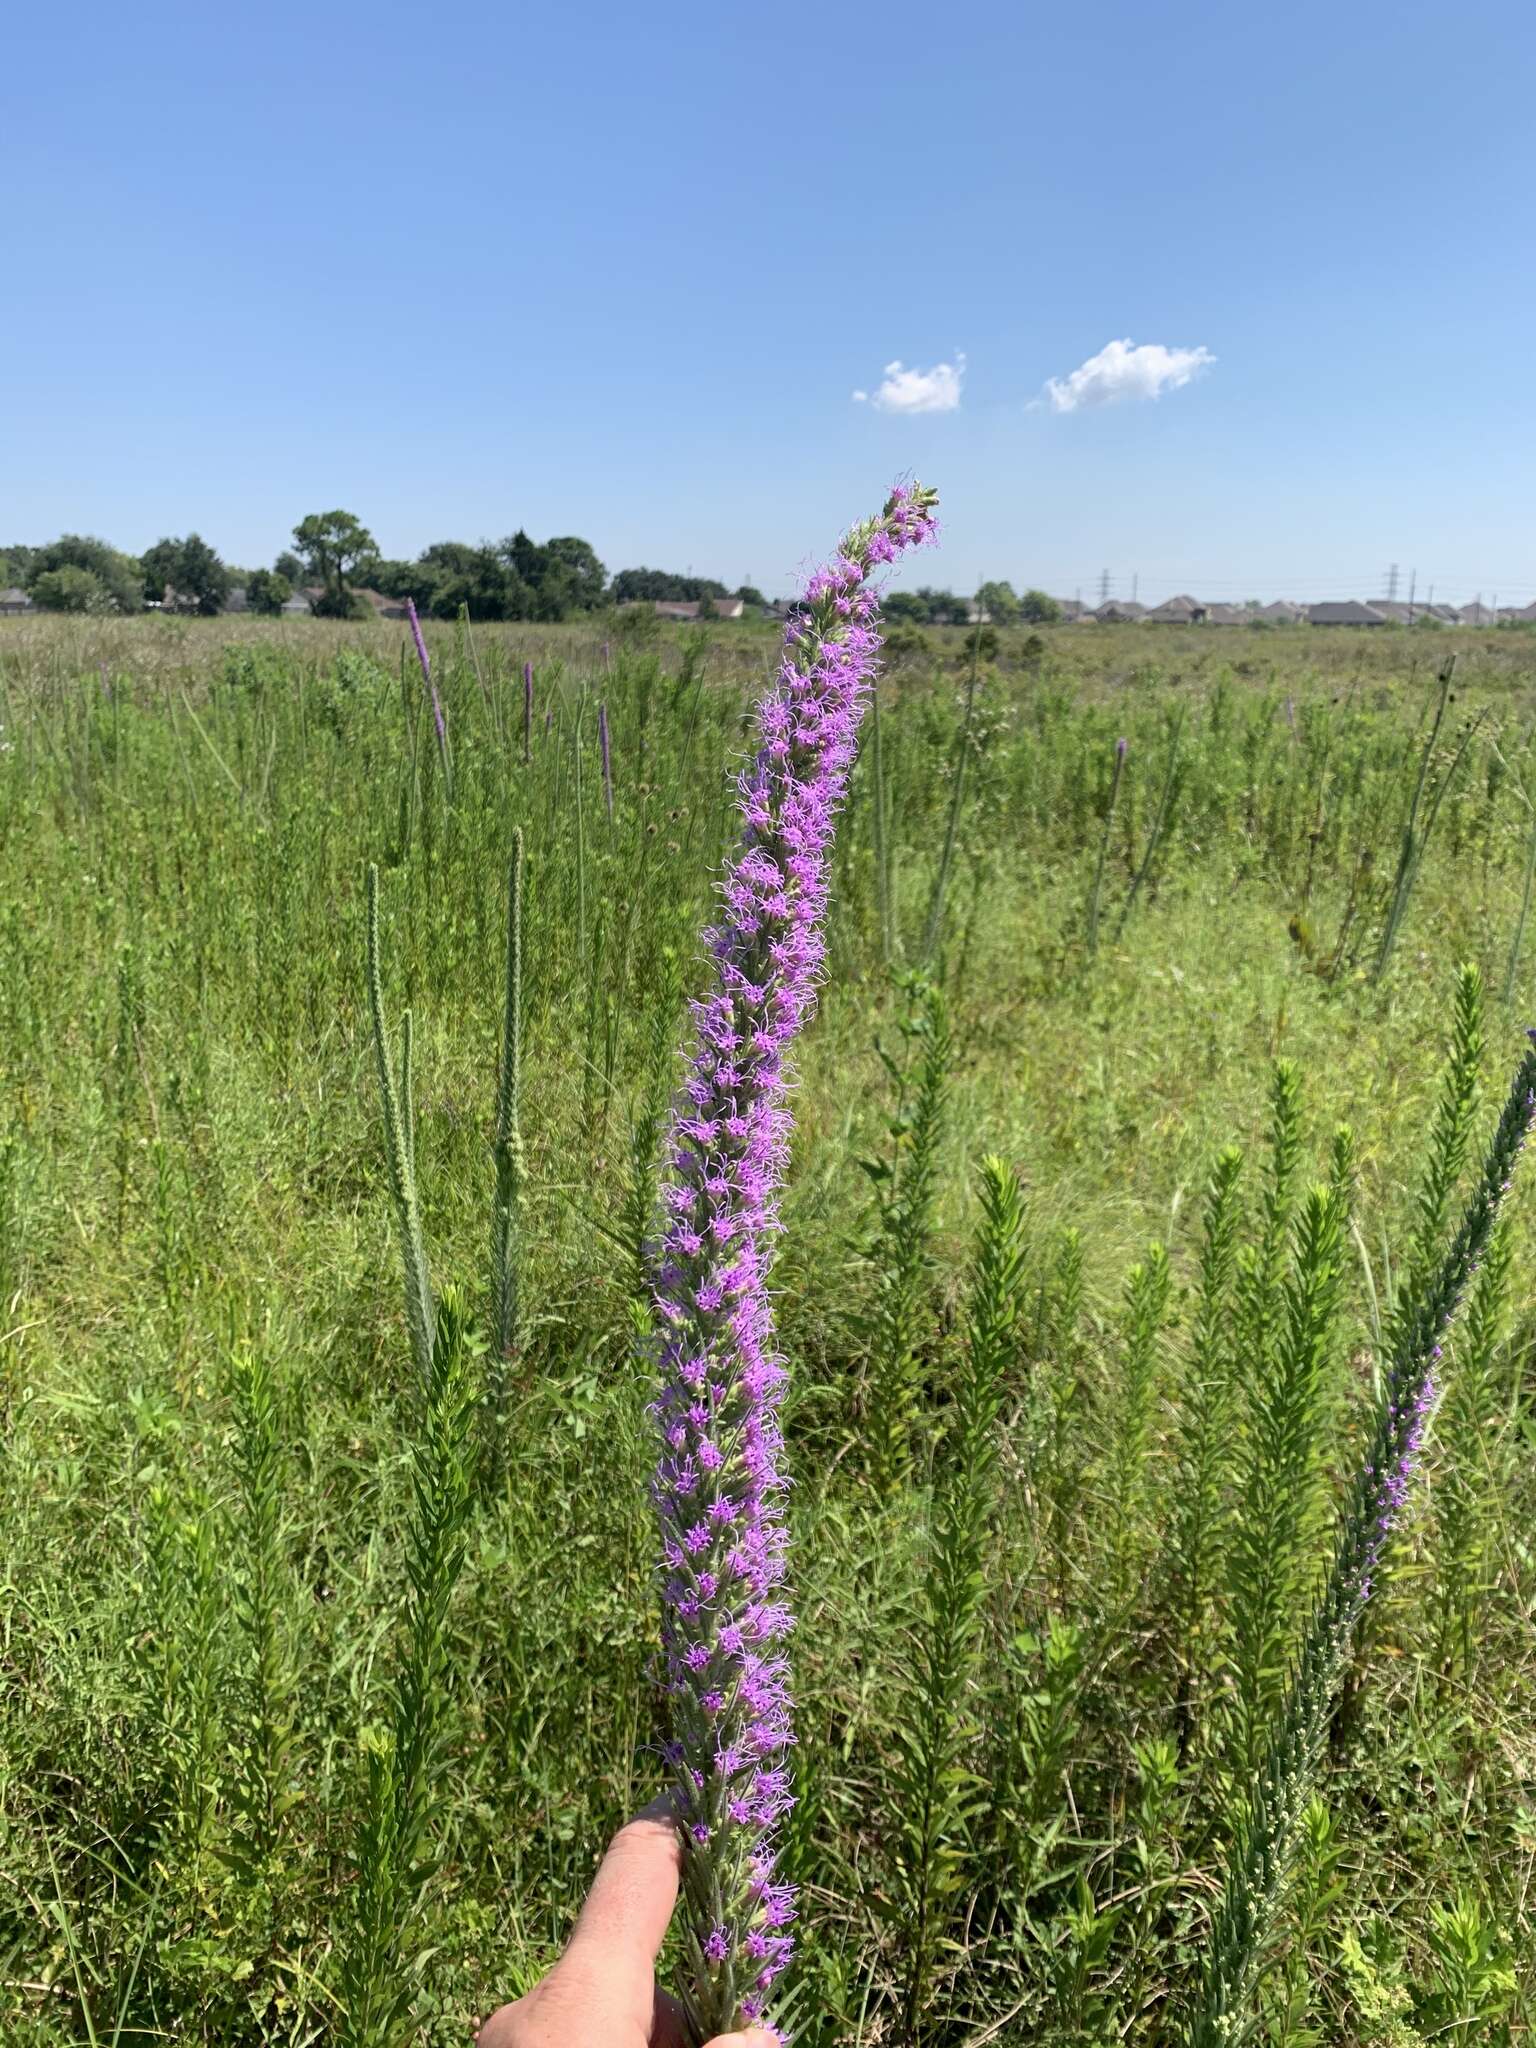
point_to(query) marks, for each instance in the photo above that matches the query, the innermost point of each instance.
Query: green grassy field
(192, 1175)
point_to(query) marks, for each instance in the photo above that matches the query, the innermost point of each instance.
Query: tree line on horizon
(334, 557)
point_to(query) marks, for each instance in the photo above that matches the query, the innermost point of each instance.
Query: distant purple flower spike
(426, 669)
(1121, 747)
(439, 720)
(719, 1489)
(607, 753)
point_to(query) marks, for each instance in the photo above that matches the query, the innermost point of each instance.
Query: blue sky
(618, 271)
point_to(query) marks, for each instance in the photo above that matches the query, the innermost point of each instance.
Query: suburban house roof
(1177, 611)
(15, 600)
(1349, 613)
(1117, 610)
(688, 608)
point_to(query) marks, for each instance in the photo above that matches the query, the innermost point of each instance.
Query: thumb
(629, 1907)
(753, 2038)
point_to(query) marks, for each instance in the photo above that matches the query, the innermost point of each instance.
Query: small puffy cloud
(1122, 370)
(904, 390)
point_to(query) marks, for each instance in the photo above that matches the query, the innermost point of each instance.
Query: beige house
(1177, 611)
(677, 608)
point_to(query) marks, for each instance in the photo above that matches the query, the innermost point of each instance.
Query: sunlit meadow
(1158, 1537)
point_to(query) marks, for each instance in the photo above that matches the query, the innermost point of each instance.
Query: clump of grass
(397, 1095)
(1208, 1420)
(906, 1189)
(511, 1172)
(1097, 891)
(935, 1783)
(405, 1754)
(1280, 1482)
(268, 1785)
(1286, 1758)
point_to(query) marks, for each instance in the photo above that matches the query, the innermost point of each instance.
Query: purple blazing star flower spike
(426, 669)
(718, 1489)
(607, 753)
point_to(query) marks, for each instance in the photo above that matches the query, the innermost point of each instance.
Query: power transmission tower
(1392, 584)
(1413, 584)
(1103, 586)
(1135, 586)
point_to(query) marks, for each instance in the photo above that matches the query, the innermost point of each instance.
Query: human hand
(603, 1993)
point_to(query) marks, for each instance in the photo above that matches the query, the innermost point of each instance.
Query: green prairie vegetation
(327, 1659)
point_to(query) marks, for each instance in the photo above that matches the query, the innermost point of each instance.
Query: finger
(629, 1907)
(753, 2038)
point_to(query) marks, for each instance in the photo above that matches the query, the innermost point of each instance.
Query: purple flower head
(723, 1535)
(1121, 747)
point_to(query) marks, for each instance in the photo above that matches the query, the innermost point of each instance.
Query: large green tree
(202, 581)
(944, 607)
(120, 576)
(458, 575)
(647, 586)
(267, 592)
(549, 579)
(159, 565)
(588, 579)
(334, 546)
(1039, 609)
(999, 602)
(190, 571)
(71, 589)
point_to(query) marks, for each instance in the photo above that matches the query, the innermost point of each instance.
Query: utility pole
(1135, 585)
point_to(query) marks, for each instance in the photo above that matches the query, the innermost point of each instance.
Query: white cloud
(1121, 370)
(904, 390)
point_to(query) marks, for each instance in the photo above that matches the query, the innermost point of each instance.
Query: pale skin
(603, 1991)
